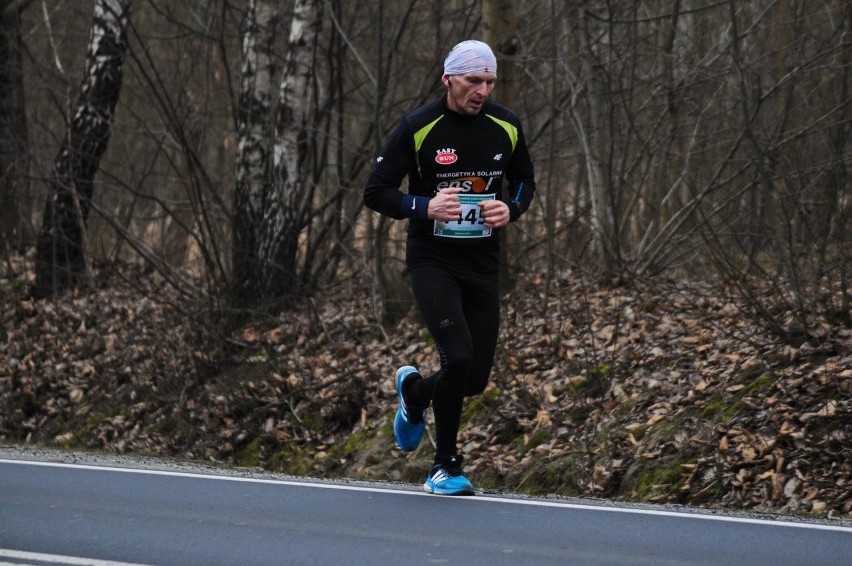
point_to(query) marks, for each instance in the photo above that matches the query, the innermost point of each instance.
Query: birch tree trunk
(60, 253)
(288, 208)
(254, 151)
(273, 191)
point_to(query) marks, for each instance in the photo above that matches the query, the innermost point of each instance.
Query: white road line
(845, 528)
(57, 559)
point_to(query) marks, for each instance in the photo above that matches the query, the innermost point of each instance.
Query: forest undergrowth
(663, 391)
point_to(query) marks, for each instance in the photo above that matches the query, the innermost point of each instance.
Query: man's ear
(446, 80)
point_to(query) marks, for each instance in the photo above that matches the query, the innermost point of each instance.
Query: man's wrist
(415, 207)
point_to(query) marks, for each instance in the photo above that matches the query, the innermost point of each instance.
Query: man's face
(467, 93)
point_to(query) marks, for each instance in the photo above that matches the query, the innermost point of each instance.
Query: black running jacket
(437, 148)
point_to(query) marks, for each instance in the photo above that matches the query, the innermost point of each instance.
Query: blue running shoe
(410, 422)
(447, 479)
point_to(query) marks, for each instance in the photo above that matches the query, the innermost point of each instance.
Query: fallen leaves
(665, 393)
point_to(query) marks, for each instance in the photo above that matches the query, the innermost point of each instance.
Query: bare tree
(61, 256)
(254, 157)
(274, 192)
(13, 126)
(289, 208)
(591, 127)
(779, 233)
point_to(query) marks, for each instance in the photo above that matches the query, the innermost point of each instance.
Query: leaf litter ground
(663, 392)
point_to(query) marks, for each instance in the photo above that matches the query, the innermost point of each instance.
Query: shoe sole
(468, 490)
(400, 378)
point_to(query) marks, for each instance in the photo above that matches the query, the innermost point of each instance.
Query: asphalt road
(67, 513)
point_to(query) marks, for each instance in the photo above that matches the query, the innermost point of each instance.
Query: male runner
(456, 152)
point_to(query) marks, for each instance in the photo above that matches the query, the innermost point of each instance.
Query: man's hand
(445, 205)
(495, 213)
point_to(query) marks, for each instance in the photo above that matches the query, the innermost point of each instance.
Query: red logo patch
(446, 156)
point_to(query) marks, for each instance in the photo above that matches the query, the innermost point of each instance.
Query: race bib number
(470, 223)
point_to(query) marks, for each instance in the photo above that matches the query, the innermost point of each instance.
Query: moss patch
(252, 454)
(760, 384)
(721, 410)
(482, 406)
(553, 475)
(651, 480)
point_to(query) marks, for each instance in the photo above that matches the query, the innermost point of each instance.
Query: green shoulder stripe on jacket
(420, 135)
(510, 129)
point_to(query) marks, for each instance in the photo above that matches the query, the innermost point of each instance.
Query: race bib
(470, 223)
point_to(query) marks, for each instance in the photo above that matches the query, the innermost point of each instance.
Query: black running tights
(462, 313)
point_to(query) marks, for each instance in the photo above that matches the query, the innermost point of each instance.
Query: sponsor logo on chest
(446, 156)
(466, 184)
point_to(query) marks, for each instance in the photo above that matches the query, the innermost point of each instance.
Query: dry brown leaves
(664, 392)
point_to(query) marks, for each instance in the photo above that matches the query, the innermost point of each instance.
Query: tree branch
(15, 8)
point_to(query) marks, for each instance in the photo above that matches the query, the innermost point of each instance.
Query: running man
(457, 152)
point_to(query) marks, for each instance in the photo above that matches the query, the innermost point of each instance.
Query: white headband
(470, 57)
